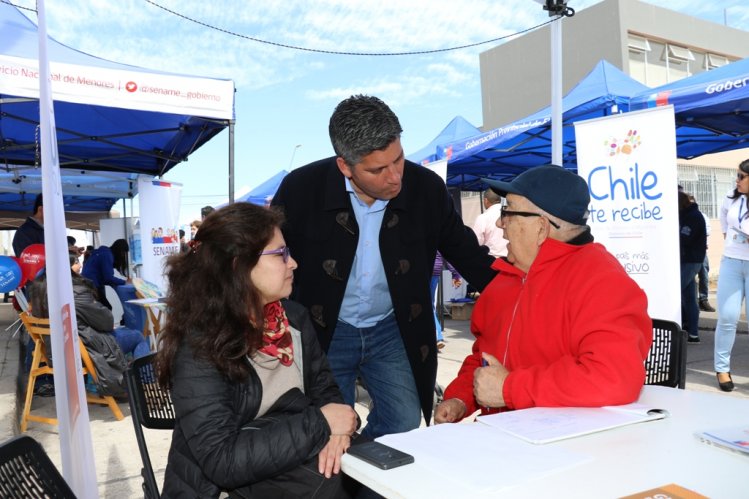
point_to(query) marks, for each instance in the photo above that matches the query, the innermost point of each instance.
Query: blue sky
(285, 97)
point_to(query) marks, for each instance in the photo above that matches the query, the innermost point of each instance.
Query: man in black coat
(365, 227)
(32, 230)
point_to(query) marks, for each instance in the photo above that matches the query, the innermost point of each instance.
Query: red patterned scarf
(277, 340)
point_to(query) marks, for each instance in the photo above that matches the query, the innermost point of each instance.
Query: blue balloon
(10, 274)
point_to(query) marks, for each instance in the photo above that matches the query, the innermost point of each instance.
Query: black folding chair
(27, 472)
(666, 364)
(150, 407)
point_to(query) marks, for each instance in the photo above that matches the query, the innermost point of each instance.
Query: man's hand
(449, 411)
(488, 382)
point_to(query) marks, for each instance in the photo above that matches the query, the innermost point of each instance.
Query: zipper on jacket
(512, 320)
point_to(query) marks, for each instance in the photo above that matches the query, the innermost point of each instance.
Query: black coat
(30, 232)
(211, 450)
(95, 325)
(692, 235)
(322, 232)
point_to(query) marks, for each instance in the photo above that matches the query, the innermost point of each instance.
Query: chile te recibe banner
(159, 226)
(629, 163)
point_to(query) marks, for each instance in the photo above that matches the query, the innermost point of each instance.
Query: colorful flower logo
(627, 145)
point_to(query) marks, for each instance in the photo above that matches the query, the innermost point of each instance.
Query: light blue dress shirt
(367, 298)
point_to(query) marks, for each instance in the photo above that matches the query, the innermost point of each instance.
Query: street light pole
(293, 153)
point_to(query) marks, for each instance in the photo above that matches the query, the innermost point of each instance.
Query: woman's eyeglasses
(504, 212)
(741, 176)
(283, 251)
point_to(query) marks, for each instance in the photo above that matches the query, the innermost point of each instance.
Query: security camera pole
(559, 9)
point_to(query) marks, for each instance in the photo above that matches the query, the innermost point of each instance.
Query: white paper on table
(540, 425)
(481, 458)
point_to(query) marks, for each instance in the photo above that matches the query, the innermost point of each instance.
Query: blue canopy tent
(458, 128)
(110, 117)
(711, 109)
(507, 151)
(263, 193)
(87, 196)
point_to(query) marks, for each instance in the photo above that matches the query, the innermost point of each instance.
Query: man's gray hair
(566, 230)
(360, 125)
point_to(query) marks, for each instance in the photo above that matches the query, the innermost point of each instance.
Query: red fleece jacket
(573, 331)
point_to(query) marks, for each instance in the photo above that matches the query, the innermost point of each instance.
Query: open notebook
(540, 425)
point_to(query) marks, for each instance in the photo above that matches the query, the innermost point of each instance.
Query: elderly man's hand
(449, 411)
(488, 382)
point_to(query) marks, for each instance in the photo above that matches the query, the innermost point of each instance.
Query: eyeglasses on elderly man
(504, 213)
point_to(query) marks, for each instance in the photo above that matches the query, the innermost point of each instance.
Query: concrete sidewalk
(116, 452)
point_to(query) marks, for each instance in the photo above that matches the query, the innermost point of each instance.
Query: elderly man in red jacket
(562, 324)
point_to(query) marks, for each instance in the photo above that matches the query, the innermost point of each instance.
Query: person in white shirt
(733, 278)
(485, 226)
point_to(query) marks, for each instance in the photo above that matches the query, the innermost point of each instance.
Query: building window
(713, 61)
(677, 61)
(638, 58)
(638, 44)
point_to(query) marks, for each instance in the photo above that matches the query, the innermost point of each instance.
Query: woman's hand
(342, 421)
(329, 459)
(340, 417)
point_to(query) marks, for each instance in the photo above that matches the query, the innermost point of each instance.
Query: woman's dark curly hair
(212, 302)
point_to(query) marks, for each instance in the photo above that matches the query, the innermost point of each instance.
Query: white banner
(629, 162)
(78, 464)
(159, 226)
(128, 89)
(439, 167)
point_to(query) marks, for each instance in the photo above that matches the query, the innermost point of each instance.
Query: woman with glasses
(258, 413)
(733, 280)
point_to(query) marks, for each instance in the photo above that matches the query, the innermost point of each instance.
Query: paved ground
(118, 460)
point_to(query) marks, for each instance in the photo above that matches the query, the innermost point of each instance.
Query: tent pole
(231, 161)
(124, 228)
(556, 91)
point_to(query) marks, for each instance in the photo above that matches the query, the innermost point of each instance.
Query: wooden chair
(38, 329)
(666, 364)
(27, 471)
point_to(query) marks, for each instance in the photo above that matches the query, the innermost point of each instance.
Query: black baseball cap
(557, 191)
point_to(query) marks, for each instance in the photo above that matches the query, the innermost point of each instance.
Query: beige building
(653, 45)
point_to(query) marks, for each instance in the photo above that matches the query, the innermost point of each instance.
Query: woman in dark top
(258, 413)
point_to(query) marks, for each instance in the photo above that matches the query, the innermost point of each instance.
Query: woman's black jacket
(217, 442)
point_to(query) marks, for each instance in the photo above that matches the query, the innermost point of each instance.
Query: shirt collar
(379, 204)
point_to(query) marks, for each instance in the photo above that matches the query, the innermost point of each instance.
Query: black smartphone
(380, 455)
